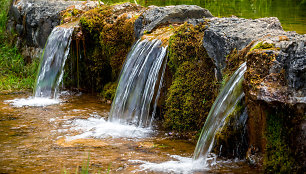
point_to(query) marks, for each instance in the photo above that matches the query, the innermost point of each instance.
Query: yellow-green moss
(263, 45)
(278, 158)
(108, 34)
(193, 89)
(70, 15)
(109, 91)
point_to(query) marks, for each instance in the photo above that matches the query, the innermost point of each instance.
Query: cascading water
(53, 61)
(226, 101)
(51, 69)
(133, 107)
(139, 84)
(222, 107)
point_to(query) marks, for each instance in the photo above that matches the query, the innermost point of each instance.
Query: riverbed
(62, 137)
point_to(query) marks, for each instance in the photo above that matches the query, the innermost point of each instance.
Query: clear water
(291, 13)
(51, 69)
(35, 140)
(139, 84)
(231, 93)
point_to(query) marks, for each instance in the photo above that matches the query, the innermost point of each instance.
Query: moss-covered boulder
(275, 97)
(193, 89)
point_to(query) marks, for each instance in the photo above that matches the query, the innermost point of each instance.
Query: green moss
(263, 45)
(193, 80)
(278, 157)
(109, 34)
(109, 91)
(70, 15)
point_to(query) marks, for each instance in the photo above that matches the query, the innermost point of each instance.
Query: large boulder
(33, 21)
(226, 34)
(275, 88)
(156, 16)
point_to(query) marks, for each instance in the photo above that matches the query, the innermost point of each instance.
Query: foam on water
(97, 127)
(180, 164)
(33, 101)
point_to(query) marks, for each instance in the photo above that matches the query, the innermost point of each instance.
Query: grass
(85, 168)
(15, 73)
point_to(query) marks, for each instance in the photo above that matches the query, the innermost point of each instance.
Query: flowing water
(139, 84)
(51, 70)
(226, 101)
(44, 140)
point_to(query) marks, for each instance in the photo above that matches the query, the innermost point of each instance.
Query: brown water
(32, 140)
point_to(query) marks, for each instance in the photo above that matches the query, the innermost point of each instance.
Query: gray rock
(225, 34)
(156, 16)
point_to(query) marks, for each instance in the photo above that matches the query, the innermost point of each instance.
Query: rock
(38, 18)
(156, 16)
(226, 34)
(275, 88)
(33, 20)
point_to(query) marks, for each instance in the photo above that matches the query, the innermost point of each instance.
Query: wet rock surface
(156, 16)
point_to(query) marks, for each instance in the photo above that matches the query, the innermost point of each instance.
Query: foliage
(15, 73)
(193, 89)
(109, 91)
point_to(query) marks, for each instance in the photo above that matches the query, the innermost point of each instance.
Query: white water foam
(97, 127)
(33, 101)
(183, 165)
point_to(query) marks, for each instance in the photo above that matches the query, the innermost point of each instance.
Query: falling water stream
(226, 101)
(139, 84)
(51, 69)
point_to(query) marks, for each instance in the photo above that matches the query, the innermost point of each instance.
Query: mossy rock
(194, 87)
(109, 91)
(109, 35)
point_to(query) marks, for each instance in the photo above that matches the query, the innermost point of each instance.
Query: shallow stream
(63, 136)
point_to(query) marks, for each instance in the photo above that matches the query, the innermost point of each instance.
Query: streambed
(36, 140)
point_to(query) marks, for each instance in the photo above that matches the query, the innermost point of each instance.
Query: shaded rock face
(275, 95)
(34, 20)
(156, 16)
(226, 34)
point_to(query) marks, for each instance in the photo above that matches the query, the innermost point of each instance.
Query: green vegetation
(278, 157)
(109, 34)
(263, 45)
(85, 168)
(194, 88)
(15, 72)
(109, 91)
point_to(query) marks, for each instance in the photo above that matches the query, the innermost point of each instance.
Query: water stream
(51, 70)
(139, 84)
(226, 101)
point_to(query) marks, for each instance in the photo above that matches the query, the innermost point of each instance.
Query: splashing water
(97, 127)
(51, 70)
(222, 107)
(202, 159)
(139, 84)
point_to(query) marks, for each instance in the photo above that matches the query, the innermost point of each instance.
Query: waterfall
(222, 107)
(139, 84)
(52, 64)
